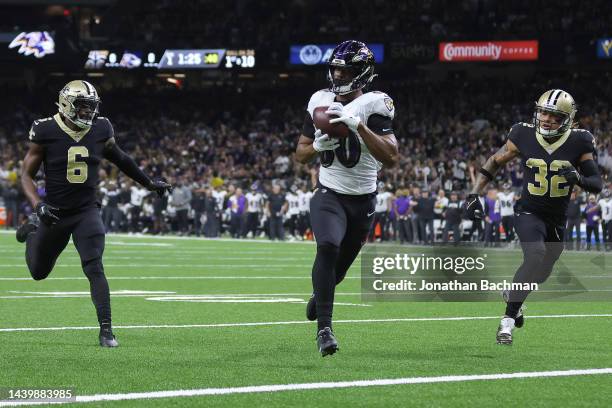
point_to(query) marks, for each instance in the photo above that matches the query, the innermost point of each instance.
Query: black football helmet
(358, 58)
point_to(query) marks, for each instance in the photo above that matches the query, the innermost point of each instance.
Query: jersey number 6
(76, 171)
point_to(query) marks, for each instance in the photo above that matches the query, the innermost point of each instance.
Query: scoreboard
(218, 58)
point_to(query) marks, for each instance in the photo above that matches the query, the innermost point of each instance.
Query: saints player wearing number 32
(342, 207)
(551, 151)
(71, 145)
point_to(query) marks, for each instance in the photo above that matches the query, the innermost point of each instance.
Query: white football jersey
(304, 201)
(255, 202)
(606, 209)
(294, 206)
(352, 169)
(382, 202)
(506, 201)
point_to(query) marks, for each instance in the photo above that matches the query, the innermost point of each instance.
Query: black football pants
(340, 224)
(44, 246)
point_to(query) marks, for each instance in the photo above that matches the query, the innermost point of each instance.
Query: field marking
(117, 293)
(169, 277)
(253, 389)
(88, 295)
(295, 322)
(241, 298)
(194, 266)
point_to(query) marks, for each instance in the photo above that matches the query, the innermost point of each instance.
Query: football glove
(350, 120)
(571, 174)
(473, 208)
(160, 187)
(45, 214)
(324, 142)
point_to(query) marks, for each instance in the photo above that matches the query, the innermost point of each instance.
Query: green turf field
(201, 315)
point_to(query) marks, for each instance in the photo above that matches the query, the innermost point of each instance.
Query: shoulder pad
(323, 97)
(37, 128)
(380, 103)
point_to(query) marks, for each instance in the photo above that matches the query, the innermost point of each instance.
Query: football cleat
(326, 342)
(31, 225)
(107, 339)
(504, 331)
(311, 309)
(519, 320)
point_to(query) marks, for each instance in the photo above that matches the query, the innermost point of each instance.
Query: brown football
(321, 121)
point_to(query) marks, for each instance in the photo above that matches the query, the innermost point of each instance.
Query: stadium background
(214, 315)
(202, 126)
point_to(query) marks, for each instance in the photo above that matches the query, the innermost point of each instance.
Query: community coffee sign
(488, 51)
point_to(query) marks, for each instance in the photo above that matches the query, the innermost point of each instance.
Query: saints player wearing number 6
(343, 205)
(550, 151)
(71, 145)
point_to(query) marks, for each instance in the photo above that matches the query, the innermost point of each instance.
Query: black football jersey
(545, 193)
(71, 160)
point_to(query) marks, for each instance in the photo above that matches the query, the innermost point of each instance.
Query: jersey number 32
(542, 185)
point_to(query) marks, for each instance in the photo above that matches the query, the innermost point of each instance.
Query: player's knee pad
(93, 268)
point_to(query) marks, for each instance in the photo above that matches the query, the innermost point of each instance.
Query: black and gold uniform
(545, 193)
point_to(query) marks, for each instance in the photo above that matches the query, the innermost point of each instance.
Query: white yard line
(332, 385)
(266, 264)
(168, 277)
(295, 322)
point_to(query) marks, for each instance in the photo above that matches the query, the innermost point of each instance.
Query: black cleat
(31, 225)
(107, 339)
(519, 320)
(326, 342)
(311, 309)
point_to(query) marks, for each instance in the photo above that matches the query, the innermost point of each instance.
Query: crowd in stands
(212, 145)
(269, 23)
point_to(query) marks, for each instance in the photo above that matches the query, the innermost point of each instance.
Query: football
(321, 121)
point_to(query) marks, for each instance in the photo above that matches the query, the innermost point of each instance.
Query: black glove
(571, 174)
(160, 187)
(472, 209)
(45, 213)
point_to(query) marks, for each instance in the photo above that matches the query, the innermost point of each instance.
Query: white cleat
(504, 331)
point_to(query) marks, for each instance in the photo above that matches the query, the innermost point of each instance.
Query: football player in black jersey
(71, 145)
(555, 157)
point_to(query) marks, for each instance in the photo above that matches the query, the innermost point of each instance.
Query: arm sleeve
(308, 128)
(591, 179)
(126, 164)
(380, 124)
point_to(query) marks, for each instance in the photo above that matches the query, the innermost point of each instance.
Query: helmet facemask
(558, 103)
(566, 122)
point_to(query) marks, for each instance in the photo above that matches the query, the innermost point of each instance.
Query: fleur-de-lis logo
(607, 47)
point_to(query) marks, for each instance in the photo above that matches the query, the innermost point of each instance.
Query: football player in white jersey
(384, 203)
(506, 201)
(304, 197)
(293, 212)
(342, 207)
(605, 206)
(254, 209)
